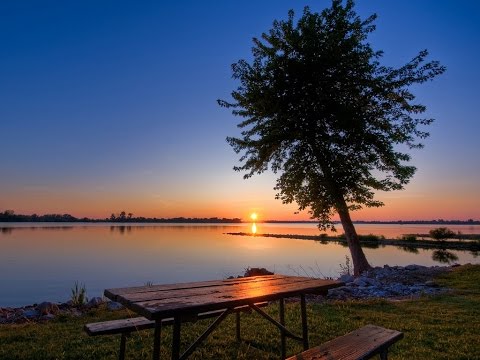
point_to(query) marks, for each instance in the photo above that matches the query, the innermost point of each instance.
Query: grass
(439, 327)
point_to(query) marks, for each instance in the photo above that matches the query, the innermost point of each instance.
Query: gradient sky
(111, 105)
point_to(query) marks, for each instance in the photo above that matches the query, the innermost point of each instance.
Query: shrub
(371, 237)
(79, 295)
(409, 237)
(441, 233)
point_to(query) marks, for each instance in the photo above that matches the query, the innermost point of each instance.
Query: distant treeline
(122, 217)
(396, 222)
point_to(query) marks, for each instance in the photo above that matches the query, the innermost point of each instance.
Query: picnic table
(184, 301)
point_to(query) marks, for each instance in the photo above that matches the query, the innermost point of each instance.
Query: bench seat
(363, 343)
(126, 326)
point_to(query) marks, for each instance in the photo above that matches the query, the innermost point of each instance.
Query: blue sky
(111, 105)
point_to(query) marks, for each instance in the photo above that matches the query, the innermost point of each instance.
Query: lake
(42, 262)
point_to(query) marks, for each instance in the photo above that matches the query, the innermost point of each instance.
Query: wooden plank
(165, 287)
(203, 291)
(360, 344)
(162, 308)
(112, 327)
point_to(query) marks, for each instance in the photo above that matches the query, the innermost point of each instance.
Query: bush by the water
(442, 233)
(409, 237)
(371, 237)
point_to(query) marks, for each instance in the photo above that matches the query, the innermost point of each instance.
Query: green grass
(440, 327)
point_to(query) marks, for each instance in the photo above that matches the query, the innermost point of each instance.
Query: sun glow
(253, 216)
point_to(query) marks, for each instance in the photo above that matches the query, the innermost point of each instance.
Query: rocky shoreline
(388, 282)
(391, 282)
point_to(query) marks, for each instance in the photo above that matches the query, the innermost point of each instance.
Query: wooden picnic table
(185, 301)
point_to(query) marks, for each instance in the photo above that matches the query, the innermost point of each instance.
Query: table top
(157, 302)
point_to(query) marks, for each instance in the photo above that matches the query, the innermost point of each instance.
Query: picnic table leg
(176, 338)
(282, 332)
(156, 339)
(237, 326)
(303, 305)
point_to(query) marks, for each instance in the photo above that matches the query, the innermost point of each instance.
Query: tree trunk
(360, 263)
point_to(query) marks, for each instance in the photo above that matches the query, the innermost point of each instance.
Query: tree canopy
(321, 111)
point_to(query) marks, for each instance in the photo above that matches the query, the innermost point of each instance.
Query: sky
(109, 106)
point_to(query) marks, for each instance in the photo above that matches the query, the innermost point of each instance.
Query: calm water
(40, 262)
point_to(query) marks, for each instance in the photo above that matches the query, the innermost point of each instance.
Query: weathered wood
(143, 296)
(189, 285)
(360, 344)
(113, 327)
(170, 303)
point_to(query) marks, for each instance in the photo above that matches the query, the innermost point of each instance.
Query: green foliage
(320, 110)
(371, 237)
(442, 233)
(79, 294)
(409, 237)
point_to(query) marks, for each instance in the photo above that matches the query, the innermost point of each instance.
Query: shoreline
(466, 245)
(387, 282)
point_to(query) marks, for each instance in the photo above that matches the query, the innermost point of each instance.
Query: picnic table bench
(181, 302)
(360, 344)
(126, 326)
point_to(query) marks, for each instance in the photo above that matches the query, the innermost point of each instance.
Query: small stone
(431, 283)
(112, 305)
(47, 317)
(360, 281)
(95, 302)
(30, 313)
(46, 308)
(346, 278)
(257, 272)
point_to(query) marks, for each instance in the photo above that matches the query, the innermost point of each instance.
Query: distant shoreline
(124, 217)
(235, 221)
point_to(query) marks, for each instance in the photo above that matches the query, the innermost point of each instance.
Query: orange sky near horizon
(249, 197)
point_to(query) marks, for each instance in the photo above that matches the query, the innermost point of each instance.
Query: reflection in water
(444, 256)
(408, 249)
(121, 228)
(254, 228)
(6, 230)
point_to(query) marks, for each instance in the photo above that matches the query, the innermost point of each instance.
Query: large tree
(320, 110)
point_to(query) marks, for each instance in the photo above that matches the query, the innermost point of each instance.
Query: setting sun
(254, 216)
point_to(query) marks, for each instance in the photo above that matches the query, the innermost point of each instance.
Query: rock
(75, 312)
(346, 278)
(257, 272)
(47, 317)
(360, 281)
(95, 302)
(390, 282)
(29, 313)
(112, 305)
(46, 308)
(414, 267)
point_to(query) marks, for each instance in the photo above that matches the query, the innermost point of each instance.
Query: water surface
(41, 262)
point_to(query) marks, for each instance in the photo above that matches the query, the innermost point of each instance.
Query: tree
(320, 111)
(441, 233)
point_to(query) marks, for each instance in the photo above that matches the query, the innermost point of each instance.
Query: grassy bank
(374, 241)
(440, 327)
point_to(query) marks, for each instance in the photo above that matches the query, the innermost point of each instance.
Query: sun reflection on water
(254, 228)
